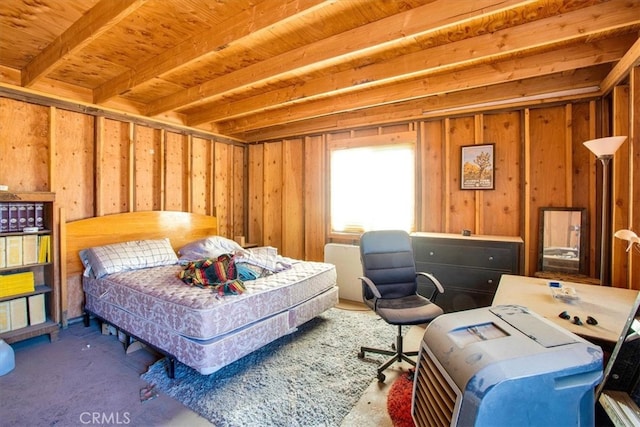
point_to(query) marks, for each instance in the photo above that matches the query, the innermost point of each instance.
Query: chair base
(397, 355)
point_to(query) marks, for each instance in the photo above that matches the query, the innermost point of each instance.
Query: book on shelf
(44, 249)
(39, 215)
(29, 249)
(13, 217)
(37, 312)
(3, 252)
(18, 316)
(31, 215)
(13, 251)
(17, 283)
(4, 217)
(5, 316)
(22, 215)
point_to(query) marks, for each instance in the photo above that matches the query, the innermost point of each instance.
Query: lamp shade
(605, 146)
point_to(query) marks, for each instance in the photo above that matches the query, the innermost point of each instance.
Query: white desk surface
(609, 306)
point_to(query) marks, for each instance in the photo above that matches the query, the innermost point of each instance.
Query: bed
(204, 328)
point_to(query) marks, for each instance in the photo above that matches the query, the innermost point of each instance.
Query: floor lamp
(604, 148)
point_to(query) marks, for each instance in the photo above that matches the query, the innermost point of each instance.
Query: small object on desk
(591, 320)
(563, 293)
(577, 320)
(466, 232)
(564, 315)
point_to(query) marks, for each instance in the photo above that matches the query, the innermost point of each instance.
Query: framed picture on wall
(477, 167)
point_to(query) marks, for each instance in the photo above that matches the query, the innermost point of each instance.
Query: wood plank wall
(540, 161)
(100, 166)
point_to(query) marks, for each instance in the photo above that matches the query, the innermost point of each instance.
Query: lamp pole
(604, 148)
(604, 241)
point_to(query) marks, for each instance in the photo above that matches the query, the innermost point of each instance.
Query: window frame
(400, 139)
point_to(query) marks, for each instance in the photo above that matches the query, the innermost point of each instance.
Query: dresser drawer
(462, 277)
(497, 258)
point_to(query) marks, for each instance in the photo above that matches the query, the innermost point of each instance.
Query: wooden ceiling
(262, 69)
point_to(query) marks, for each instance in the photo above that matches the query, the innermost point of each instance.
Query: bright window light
(372, 188)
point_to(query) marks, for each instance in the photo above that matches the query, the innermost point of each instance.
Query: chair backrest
(387, 259)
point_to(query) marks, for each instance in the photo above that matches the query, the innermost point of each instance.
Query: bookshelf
(25, 311)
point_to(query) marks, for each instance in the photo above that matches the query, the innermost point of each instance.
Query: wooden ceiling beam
(566, 59)
(578, 25)
(384, 34)
(630, 60)
(207, 44)
(102, 17)
(424, 108)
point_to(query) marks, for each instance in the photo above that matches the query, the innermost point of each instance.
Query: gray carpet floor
(84, 378)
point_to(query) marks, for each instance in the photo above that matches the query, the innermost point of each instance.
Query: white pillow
(209, 247)
(126, 256)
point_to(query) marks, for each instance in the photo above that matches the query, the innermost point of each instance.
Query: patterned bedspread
(159, 296)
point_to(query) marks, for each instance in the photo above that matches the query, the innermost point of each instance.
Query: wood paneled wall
(540, 161)
(100, 166)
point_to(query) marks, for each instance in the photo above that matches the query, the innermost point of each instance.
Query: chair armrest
(435, 281)
(371, 286)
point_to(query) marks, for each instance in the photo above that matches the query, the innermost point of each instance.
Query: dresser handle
(490, 258)
(431, 253)
(490, 281)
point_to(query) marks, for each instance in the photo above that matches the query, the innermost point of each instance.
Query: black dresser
(469, 267)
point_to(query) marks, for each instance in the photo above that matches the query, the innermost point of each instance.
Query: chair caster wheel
(361, 355)
(381, 377)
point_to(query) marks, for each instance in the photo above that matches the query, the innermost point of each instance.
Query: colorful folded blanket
(219, 274)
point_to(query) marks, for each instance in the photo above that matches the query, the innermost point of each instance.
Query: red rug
(399, 400)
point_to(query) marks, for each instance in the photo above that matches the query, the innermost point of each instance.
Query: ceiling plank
(364, 40)
(488, 47)
(433, 106)
(208, 44)
(81, 33)
(565, 59)
(623, 67)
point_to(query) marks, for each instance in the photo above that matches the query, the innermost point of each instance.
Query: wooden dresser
(469, 267)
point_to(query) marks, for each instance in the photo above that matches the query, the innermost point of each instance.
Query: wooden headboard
(180, 227)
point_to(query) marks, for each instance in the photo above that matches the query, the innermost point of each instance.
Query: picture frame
(477, 167)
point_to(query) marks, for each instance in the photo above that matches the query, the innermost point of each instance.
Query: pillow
(126, 256)
(209, 247)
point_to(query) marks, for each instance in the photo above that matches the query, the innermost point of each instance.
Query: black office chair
(390, 288)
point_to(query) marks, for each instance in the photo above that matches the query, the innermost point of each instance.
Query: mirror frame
(582, 254)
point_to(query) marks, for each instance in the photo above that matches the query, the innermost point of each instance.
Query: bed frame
(180, 227)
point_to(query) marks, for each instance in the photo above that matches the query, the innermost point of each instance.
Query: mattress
(160, 298)
(209, 356)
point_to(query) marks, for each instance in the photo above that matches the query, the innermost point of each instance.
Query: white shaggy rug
(312, 377)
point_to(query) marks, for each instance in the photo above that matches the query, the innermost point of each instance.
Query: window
(372, 188)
